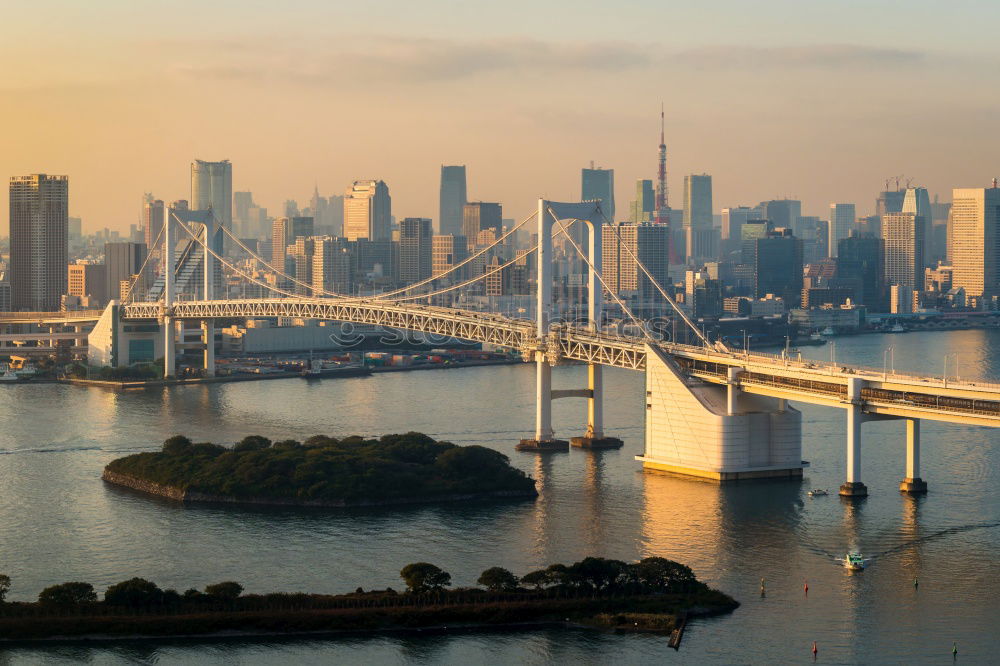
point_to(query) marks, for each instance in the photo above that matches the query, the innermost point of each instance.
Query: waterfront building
(975, 242)
(903, 234)
(860, 257)
(367, 211)
(88, 280)
(776, 263)
(452, 201)
(39, 241)
(842, 222)
(599, 184)
(415, 249)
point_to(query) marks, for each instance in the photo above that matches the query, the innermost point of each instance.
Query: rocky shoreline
(193, 496)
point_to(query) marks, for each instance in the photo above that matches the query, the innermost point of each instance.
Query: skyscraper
(286, 231)
(643, 207)
(452, 199)
(733, 220)
(152, 215)
(242, 203)
(917, 201)
(367, 211)
(903, 234)
(212, 189)
(39, 241)
(649, 242)
(448, 251)
(777, 264)
(331, 269)
(123, 261)
(599, 184)
(975, 239)
(415, 249)
(889, 201)
(478, 216)
(782, 213)
(842, 221)
(861, 258)
(698, 201)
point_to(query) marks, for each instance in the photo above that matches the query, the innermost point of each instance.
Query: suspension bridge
(710, 411)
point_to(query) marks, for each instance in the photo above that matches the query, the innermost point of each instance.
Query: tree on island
(252, 443)
(177, 445)
(424, 577)
(498, 579)
(68, 594)
(228, 590)
(4, 587)
(135, 592)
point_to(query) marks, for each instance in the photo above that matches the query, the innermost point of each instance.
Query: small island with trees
(322, 472)
(651, 595)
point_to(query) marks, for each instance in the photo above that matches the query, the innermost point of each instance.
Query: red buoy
(815, 649)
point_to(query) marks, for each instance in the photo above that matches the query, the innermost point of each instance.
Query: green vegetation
(353, 470)
(602, 593)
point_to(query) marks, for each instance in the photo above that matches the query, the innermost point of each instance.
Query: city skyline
(543, 124)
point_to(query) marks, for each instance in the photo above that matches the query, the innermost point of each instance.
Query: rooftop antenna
(994, 183)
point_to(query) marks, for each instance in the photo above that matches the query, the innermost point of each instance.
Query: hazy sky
(816, 99)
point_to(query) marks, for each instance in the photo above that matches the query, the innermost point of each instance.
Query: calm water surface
(59, 522)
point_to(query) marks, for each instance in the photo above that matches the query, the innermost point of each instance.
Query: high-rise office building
(643, 207)
(599, 184)
(39, 241)
(733, 220)
(776, 261)
(88, 280)
(367, 211)
(75, 227)
(152, 218)
(903, 234)
(242, 203)
(447, 252)
(479, 216)
(783, 213)
(975, 240)
(332, 270)
(917, 201)
(212, 189)
(300, 261)
(860, 257)
(122, 262)
(415, 249)
(452, 200)
(698, 201)
(890, 201)
(285, 231)
(622, 244)
(842, 222)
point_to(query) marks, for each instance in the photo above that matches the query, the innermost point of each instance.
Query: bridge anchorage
(709, 412)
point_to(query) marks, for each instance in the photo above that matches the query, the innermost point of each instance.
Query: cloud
(818, 56)
(375, 59)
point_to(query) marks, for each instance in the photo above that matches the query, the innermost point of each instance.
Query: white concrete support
(853, 487)
(595, 290)
(913, 483)
(208, 335)
(168, 259)
(543, 399)
(732, 390)
(169, 348)
(544, 272)
(595, 407)
(913, 448)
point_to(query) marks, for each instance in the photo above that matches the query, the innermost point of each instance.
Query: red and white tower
(662, 215)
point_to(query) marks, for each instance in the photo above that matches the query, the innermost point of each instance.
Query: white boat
(815, 336)
(897, 328)
(9, 376)
(828, 331)
(854, 561)
(817, 492)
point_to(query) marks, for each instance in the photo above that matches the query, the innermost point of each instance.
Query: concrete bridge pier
(544, 440)
(853, 487)
(169, 348)
(594, 437)
(208, 336)
(913, 484)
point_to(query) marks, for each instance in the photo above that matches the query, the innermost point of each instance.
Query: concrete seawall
(181, 495)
